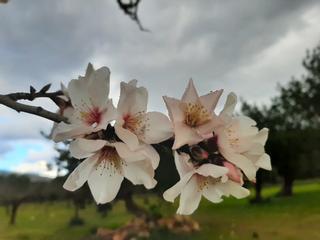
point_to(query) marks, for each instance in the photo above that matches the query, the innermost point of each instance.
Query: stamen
(195, 115)
(110, 159)
(136, 123)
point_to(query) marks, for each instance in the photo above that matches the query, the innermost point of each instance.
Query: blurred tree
(294, 122)
(17, 190)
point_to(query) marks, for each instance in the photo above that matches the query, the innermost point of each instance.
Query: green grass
(295, 218)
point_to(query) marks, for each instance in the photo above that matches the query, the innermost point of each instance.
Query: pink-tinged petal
(175, 110)
(210, 192)
(245, 164)
(125, 152)
(159, 128)
(234, 173)
(229, 106)
(210, 100)
(127, 136)
(151, 154)
(182, 163)
(98, 87)
(190, 95)
(185, 135)
(264, 162)
(132, 99)
(211, 170)
(140, 172)
(82, 148)
(190, 197)
(233, 189)
(104, 184)
(80, 174)
(173, 192)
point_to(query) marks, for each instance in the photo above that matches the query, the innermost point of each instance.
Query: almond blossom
(92, 109)
(192, 116)
(208, 180)
(136, 126)
(240, 141)
(105, 167)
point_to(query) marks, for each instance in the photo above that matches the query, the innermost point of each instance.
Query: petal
(245, 164)
(209, 127)
(170, 194)
(104, 184)
(234, 189)
(211, 193)
(212, 170)
(80, 174)
(190, 95)
(78, 92)
(109, 113)
(65, 131)
(210, 100)
(262, 136)
(182, 163)
(125, 152)
(127, 136)
(159, 128)
(140, 172)
(185, 135)
(190, 197)
(98, 88)
(82, 148)
(132, 99)
(230, 105)
(264, 162)
(151, 154)
(175, 110)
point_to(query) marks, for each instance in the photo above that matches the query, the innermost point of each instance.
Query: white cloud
(39, 168)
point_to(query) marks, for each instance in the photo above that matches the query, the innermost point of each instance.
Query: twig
(10, 100)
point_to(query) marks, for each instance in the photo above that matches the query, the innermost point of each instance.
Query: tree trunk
(287, 185)
(13, 214)
(132, 207)
(76, 211)
(258, 188)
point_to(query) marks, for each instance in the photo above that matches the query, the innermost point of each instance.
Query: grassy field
(280, 218)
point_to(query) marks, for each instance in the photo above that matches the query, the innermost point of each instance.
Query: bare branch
(10, 100)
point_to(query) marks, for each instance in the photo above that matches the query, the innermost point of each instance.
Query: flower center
(109, 158)
(195, 115)
(92, 117)
(135, 123)
(206, 151)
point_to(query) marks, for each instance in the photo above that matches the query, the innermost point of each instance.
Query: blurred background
(267, 52)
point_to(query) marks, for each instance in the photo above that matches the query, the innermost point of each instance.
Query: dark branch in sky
(130, 8)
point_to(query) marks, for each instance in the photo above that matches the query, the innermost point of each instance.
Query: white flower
(134, 125)
(240, 141)
(105, 167)
(92, 109)
(192, 116)
(208, 180)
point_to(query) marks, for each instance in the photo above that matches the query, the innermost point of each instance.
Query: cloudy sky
(243, 46)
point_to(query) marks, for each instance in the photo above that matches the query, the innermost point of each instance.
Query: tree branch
(10, 100)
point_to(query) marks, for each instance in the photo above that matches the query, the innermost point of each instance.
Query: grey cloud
(211, 41)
